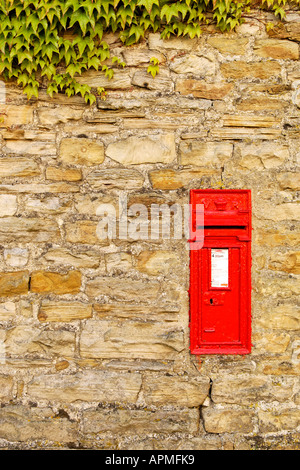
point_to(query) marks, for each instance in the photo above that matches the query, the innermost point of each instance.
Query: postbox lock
(220, 273)
(213, 298)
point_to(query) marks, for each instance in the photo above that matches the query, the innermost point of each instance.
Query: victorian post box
(220, 273)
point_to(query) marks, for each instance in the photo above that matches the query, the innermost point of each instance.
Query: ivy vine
(38, 51)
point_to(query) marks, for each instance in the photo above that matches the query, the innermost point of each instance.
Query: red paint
(220, 290)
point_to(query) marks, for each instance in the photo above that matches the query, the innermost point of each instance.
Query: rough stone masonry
(94, 334)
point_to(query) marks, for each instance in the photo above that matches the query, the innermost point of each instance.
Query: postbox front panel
(220, 289)
(220, 305)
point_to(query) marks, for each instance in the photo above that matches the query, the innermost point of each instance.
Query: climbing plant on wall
(37, 49)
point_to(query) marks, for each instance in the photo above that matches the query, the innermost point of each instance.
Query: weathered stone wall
(95, 335)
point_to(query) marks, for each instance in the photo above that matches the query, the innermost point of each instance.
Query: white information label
(219, 267)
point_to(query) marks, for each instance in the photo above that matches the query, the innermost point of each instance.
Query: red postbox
(220, 273)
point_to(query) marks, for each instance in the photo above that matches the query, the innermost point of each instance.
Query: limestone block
(20, 423)
(148, 198)
(228, 420)
(180, 391)
(85, 232)
(262, 104)
(64, 311)
(14, 283)
(270, 88)
(263, 155)
(81, 151)
(88, 386)
(95, 128)
(76, 258)
(240, 133)
(88, 205)
(28, 230)
(16, 257)
(270, 342)
(280, 212)
(289, 30)
(281, 368)
(123, 288)
(249, 28)
(127, 107)
(141, 123)
(233, 120)
(131, 340)
(6, 387)
(7, 310)
(95, 79)
(118, 262)
(204, 153)
(175, 179)
(8, 205)
(62, 365)
(202, 89)
(31, 147)
(142, 421)
(18, 167)
(297, 398)
(52, 116)
(277, 49)
(202, 66)
(47, 204)
(282, 288)
(161, 82)
(286, 419)
(288, 262)
(289, 180)
(129, 311)
(137, 150)
(276, 237)
(136, 56)
(285, 317)
(26, 308)
(115, 178)
(28, 134)
(24, 340)
(198, 442)
(245, 390)
(240, 69)
(63, 174)
(236, 46)
(157, 263)
(39, 188)
(45, 281)
(16, 115)
(61, 99)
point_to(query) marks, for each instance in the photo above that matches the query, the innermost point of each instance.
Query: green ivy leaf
(93, 62)
(168, 11)
(148, 4)
(34, 21)
(22, 55)
(81, 18)
(30, 91)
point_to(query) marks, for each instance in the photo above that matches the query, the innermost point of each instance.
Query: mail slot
(220, 272)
